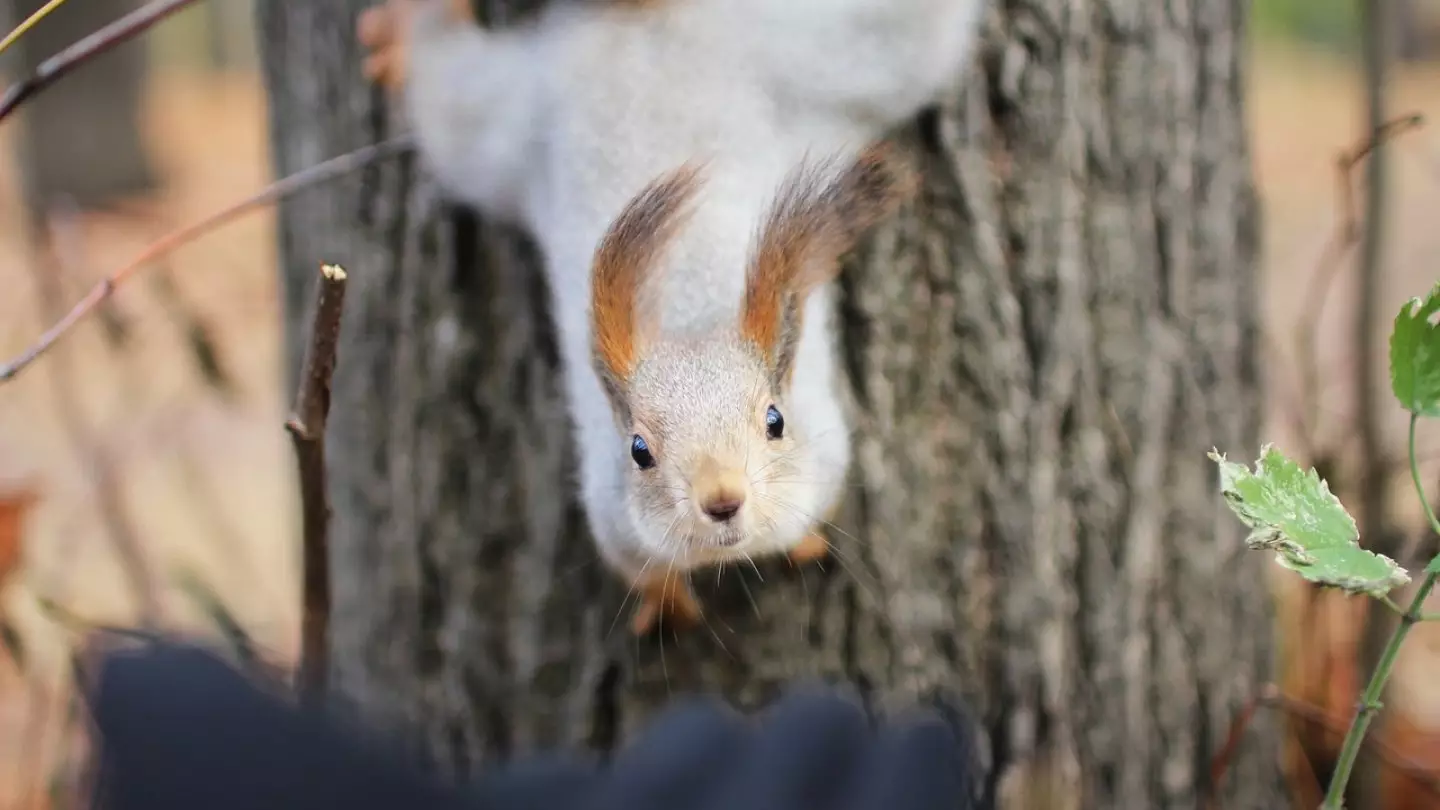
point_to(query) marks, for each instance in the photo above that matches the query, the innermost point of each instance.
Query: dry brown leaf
(15, 503)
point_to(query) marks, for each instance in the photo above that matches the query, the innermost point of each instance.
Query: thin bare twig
(52, 69)
(198, 331)
(1423, 775)
(78, 625)
(329, 170)
(253, 658)
(1376, 635)
(75, 697)
(1270, 696)
(29, 764)
(1327, 268)
(56, 257)
(1344, 236)
(1220, 762)
(1368, 306)
(307, 429)
(199, 334)
(28, 23)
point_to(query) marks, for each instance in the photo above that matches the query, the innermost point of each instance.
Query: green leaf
(1433, 567)
(1292, 512)
(1415, 355)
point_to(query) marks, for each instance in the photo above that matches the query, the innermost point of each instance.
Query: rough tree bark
(1043, 348)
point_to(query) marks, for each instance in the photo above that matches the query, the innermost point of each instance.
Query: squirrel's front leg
(386, 30)
(473, 96)
(813, 547)
(666, 601)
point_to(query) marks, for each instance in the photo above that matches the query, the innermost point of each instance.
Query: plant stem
(1370, 700)
(55, 67)
(29, 23)
(1399, 611)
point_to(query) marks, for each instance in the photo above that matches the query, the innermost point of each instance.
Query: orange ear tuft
(625, 259)
(819, 212)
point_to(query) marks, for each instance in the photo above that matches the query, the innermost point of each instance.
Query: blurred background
(144, 465)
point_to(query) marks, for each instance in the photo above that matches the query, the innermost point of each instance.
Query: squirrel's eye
(774, 423)
(640, 452)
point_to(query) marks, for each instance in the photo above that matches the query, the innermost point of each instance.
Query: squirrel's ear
(820, 211)
(625, 260)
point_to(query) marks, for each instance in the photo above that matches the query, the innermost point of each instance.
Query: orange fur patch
(462, 11)
(817, 216)
(665, 601)
(813, 547)
(626, 258)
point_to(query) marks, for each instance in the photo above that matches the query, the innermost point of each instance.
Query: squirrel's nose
(722, 508)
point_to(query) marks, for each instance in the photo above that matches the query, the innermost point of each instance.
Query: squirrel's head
(716, 458)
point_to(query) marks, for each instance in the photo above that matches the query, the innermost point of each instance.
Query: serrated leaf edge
(1412, 314)
(1294, 557)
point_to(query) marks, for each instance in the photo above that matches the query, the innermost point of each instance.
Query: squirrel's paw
(384, 31)
(665, 603)
(813, 547)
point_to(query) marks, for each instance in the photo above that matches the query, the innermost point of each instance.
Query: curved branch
(329, 170)
(52, 69)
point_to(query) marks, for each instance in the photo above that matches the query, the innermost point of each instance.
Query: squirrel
(693, 171)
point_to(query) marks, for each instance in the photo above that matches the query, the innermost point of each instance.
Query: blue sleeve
(179, 728)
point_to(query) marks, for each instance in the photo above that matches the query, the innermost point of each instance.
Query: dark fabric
(179, 728)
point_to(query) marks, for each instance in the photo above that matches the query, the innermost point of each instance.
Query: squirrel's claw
(380, 30)
(378, 69)
(375, 27)
(813, 547)
(462, 11)
(384, 30)
(665, 603)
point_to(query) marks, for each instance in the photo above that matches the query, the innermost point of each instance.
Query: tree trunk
(1412, 30)
(229, 44)
(82, 139)
(1043, 349)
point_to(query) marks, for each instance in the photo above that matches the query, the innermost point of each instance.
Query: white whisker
(850, 566)
(660, 624)
(706, 621)
(753, 566)
(632, 589)
(754, 606)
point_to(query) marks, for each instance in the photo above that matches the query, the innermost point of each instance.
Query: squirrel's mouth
(704, 549)
(729, 538)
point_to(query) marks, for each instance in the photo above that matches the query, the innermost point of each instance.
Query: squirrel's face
(716, 462)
